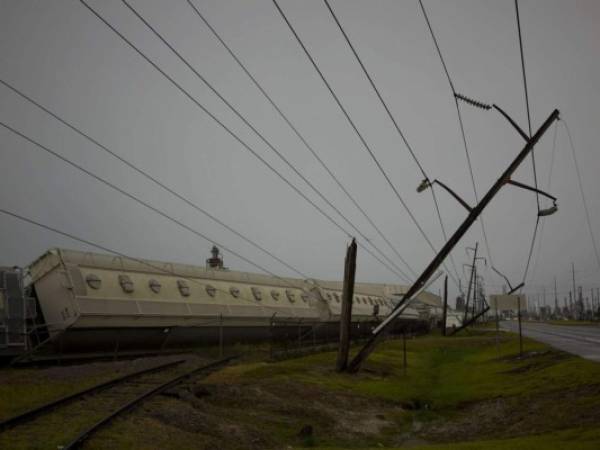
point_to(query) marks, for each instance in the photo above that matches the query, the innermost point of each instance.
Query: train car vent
(183, 287)
(126, 283)
(275, 294)
(235, 292)
(290, 295)
(256, 292)
(154, 285)
(93, 281)
(211, 290)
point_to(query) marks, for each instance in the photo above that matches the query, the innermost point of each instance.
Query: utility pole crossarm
(458, 234)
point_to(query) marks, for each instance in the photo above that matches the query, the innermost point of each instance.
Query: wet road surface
(580, 340)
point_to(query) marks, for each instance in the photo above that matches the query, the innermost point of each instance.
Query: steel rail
(85, 435)
(47, 407)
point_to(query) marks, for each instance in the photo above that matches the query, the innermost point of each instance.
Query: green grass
(551, 400)
(444, 374)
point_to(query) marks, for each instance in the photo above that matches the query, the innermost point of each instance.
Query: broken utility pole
(346, 315)
(474, 213)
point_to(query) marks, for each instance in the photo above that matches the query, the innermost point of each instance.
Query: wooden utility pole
(445, 306)
(346, 314)
(474, 213)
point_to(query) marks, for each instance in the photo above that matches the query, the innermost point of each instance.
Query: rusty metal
(86, 434)
(47, 407)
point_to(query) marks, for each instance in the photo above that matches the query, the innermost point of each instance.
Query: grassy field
(467, 392)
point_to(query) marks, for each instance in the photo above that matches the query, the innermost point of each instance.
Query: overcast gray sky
(61, 55)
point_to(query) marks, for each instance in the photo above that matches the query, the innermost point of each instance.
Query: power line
(297, 133)
(537, 195)
(462, 127)
(580, 184)
(353, 125)
(141, 202)
(151, 178)
(396, 126)
(140, 261)
(236, 137)
(259, 134)
(539, 249)
(133, 197)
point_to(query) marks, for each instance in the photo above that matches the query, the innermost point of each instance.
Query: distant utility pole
(473, 215)
(556, 309)
(574, 290)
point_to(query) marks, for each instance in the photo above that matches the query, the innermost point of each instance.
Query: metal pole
(346, 314)
(470, 282)
(404, 358)
(445, 306)
(556, 309)
(520, 330)
(455, 238)
(574, 291)
(220, 335)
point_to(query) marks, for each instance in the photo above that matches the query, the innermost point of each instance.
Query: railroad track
(112, 398)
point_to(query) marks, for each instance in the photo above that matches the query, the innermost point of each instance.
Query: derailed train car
(95, 302)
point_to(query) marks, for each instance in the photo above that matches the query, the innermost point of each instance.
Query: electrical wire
(304, 141)
(526, 91)
(238, 139)
(152, 178)
(140, 261)
(581, 191)
(353, 125)
(462, 128)
(134, 198)
(397, 127)
(548, 185)
(259, 134)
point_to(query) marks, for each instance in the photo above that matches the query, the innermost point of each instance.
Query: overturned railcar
(89, 302)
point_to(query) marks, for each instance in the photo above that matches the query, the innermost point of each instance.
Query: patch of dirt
(517, 416)
(257, 414)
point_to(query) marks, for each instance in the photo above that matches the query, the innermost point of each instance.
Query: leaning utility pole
(346, 314)
(474, 213)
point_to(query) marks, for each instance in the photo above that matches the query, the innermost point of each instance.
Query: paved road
(579, 340)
